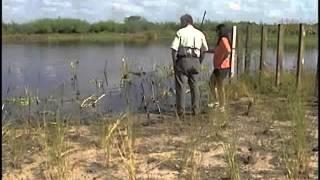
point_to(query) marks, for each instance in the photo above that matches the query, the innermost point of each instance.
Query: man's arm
(174, 56)
(202, 55)
(174, 48)
(204, 48)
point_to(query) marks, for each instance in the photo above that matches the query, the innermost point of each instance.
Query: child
(221, 62)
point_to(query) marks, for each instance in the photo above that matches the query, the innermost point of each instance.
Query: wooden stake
(279, 65)
(233, 51)
(300, 60)
(263, 49)
(238, 55)
(247, 54)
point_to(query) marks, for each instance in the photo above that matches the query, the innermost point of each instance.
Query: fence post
(238, 54)
(247, 53)
(243, 60)
(279, 64)
(233, 51)
(317, 80)
(300, 60)
(263, 49)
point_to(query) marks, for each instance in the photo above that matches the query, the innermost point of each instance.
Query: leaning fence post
(279, 64)
(247, 54)
(233, 51)
(300, 60)
(263, 49)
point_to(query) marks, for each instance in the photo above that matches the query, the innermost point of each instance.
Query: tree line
(131, 24)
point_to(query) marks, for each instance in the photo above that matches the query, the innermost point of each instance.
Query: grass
(16, 148)
(292, 108)
(233, 164)
(126, 146)
(296, 158)
(107, 138)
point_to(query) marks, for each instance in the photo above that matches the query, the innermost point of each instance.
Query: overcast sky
(268, 11)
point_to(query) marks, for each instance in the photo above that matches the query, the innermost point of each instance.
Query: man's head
(185, 20)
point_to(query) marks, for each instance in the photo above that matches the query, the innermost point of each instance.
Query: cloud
(16, 9)
(274, 13)
(126, 8)
(149, 3)
(161, 10)
(50, 9)
(6, 7)
(234, 6)
(19, 1)
(64, 4)
(87, 11)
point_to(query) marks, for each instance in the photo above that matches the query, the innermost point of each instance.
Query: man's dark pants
(187, 70)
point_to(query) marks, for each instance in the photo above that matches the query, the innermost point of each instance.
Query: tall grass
(56, 147)
(14, 147)
(232, 161)
(296, 157)
(126, 147)
(107, 138)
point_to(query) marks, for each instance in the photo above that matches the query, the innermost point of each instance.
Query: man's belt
(185, 56)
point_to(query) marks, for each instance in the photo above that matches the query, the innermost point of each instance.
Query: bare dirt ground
(163, 146)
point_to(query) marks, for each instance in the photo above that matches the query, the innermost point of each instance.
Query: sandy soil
(162, 141)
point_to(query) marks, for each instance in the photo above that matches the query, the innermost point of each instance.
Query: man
(188, 49)
(221, 62)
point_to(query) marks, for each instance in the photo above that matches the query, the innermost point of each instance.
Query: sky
(266, 11)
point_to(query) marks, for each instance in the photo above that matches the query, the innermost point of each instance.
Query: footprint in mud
(152, 160)
(95, 167)
(246, 159)
(169, 165)
(149, 123)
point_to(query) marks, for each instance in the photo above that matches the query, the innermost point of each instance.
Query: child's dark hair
(220, 26)
(224, 31)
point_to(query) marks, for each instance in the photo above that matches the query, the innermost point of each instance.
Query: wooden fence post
(233, 51)
(243, 61)
(247, 53)
(317, 80)
(238, 47)
(263, 49)
(300, 60)
(279, 64)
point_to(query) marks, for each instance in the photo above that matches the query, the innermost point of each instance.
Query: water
(44, 67)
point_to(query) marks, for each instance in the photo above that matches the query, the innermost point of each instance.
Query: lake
(44, 67)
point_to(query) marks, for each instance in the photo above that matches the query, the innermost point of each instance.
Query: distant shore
(141, 37)
(82, 37)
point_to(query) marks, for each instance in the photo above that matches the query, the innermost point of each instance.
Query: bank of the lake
(142, 37)
(76, 37)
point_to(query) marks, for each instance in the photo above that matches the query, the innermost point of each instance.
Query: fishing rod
(204, 14)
